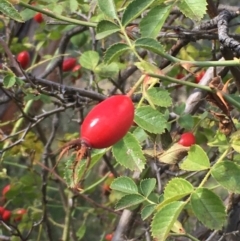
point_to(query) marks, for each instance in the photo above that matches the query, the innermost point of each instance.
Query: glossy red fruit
(108, 122)
(5, 190)
(68, 64)
(19, 214)
(2, 209)
(199, 76)
(187, 139)
(109, 236)
(24, 59)
(76, 70)
(38, 18)
(6, 215)
(180, 76)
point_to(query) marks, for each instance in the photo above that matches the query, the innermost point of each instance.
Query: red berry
(111, 175)
(68, 64)
(6, 215)
(109, 236)
(180, 76)
(2, 209)
(23, 58)
(38, 18)
(199, 76)
(76, 69)
(6, 189)
(108, 122)
(19, 214)
(187, 139)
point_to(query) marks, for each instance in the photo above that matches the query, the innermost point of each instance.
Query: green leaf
(186, 121)
(147, 186)
(219, 140)
(134, 9)
(147, 211)
(164, 219)
(140, 134)
(81, 231)
(106, 28)
(73, 5)
(114, 51)
(151, 25)
(128, 153)
(208, 208)
(159, 97)
(194, 10)
(227, 174)
(128, 201)
(177, 188)
(196, 160)
(150, 44)
(89, 60)
(108, 8)
(9, 81)
(8, 9)
(106, 71)
(150, 120)
(125, 185)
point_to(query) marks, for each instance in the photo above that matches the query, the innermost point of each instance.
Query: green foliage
(7, 9)
(208, 208)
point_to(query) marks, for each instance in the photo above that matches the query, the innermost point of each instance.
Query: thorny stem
(57, 16)
(17, 126)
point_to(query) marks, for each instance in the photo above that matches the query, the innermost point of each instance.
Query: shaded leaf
(128, 153)
(151, 25)
(164, 219)
(125, 185)
(128, 201)
(196, 160)
(150, 44)
(186, 121)
(134, 9)
(106, 71)
(89, 59)
(8, 9)
(108, 8)
(193, 9)
(159, 97)
(9, 81)
(114, 51)
(147, 211)
(178, 188)
(208, 208)
(147, 186)
(226, 173)
(150, 120)
(106, 28)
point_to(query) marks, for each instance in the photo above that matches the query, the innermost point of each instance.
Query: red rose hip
(38, 18)
(6, 215)
(108, 122)
(23, 58)
(68, 64)
(5, 190)
(187, 139)
(19, 214)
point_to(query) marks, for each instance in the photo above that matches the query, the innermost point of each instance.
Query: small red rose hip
(187, 139)
(109, 236)
(5, 190)
(2, 209)
(76, 70)
(180, 76)
(6, 215)
(19, 214)
(68, 64)
(24, 59)
(38, 18)
(108, 122)
(199, 76)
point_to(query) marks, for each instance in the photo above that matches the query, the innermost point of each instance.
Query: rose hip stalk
(106, 124)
